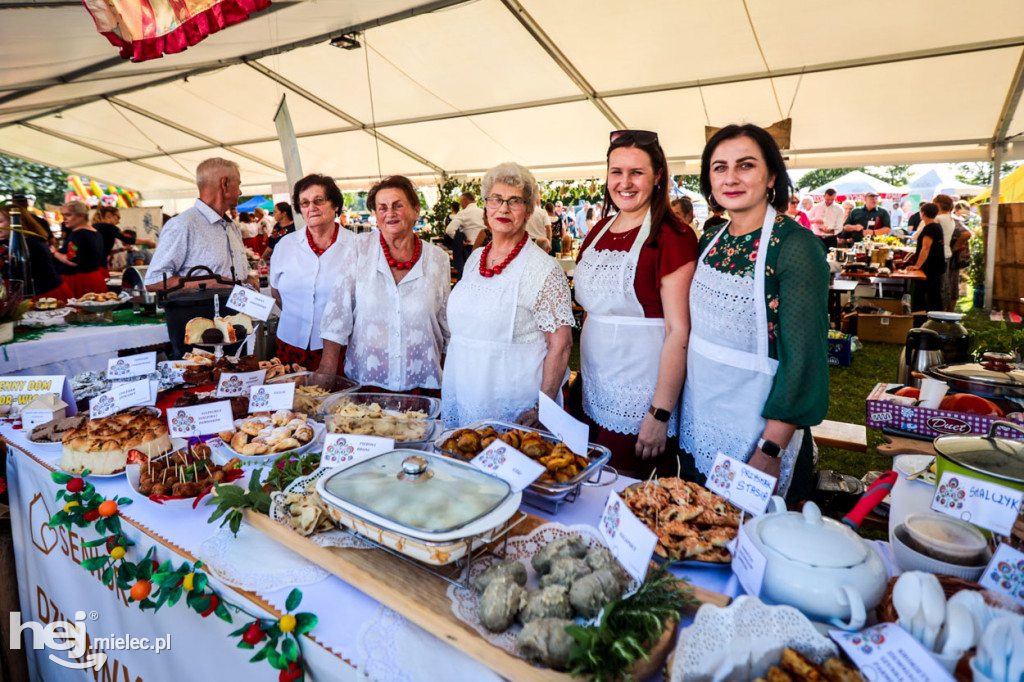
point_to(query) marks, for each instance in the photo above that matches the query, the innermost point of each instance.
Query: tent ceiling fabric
(461, 85)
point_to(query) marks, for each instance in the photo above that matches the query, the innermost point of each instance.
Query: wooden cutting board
(422, 597)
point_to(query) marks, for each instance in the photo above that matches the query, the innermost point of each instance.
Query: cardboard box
(884, 328)
(839, 352)
(885, 410)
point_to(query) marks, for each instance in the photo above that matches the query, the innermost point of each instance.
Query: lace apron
(486, 375)
(729, 373)
(620, 349)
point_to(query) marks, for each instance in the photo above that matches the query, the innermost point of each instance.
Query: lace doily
(330, 538)
(253, 561)
(743, 640)
(466, 601)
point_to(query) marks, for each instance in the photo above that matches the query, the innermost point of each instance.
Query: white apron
(620, 349)
(729, 373)
(486, 375)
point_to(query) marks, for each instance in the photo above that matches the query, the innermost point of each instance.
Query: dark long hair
(776, 165)
(661, 212)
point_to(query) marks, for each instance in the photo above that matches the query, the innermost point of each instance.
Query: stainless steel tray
(597, 456)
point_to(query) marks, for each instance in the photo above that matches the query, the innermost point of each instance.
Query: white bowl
(945, 537)
(909, 559)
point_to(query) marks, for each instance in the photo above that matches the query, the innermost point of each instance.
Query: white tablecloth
(72, 350)
(362, 634)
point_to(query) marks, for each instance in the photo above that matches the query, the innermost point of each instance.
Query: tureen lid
(807, 538)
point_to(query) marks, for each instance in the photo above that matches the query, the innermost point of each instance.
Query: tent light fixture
(348, 41)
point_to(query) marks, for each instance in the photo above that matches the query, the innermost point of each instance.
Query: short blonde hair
(77, 208)
(513, 175)
(210, 171)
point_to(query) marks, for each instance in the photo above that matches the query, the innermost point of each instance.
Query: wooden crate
(1008, 284)
(1009, 213)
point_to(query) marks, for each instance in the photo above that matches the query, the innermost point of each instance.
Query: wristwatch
(769, 448)
(659, 414)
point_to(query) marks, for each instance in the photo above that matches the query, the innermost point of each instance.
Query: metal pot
(989, 458)
(981, 380)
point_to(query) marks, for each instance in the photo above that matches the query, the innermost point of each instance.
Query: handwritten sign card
(252, 303)
(200, 420)
(887, 653)
(341, 449)
(504, 461)
(984, 504)
(120, 397)
(748, 488)
(131, 366)
(231, 385)
(630, 541)
(748, 563)
(272, 398)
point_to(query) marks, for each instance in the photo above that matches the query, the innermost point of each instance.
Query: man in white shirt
(537, 225)
(203, 234)
(470, 222)
(827, 219)
(581, 219)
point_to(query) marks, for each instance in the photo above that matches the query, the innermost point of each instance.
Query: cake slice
(222, 324)
(195, 328)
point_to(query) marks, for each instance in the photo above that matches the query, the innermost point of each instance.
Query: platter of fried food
(262, 434)
(180, 476)
(98, 303)
(565, 469)
(795, 667)
(408, 419)
(692, 523)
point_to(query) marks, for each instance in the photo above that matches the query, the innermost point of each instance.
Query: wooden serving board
(422, 597)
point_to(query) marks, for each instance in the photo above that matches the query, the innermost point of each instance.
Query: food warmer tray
(542, 494)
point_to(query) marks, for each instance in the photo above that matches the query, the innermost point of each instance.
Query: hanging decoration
(149, 29)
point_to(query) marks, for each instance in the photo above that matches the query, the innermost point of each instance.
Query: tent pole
(993, 225)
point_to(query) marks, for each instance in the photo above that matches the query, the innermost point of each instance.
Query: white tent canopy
(856, 184)
(456, 86)
(933, 182)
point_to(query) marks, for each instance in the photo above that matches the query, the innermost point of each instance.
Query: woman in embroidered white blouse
(510, 315)
(386, 317)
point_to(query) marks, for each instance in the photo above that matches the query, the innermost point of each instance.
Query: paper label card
(629, 540)
(984, 504)
(252, 303)
(200, 420)
(748, 488)
(272, 398)
(748, 563)
(887, 653)
(121, 397)
(1005, 573)
(504, 461)
(231, 385)
(30, 419)
(131, 366)
(344, 448)
(570, 431)
(16, 392)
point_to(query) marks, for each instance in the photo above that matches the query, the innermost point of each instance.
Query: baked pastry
(46, 303)
(102, 445)
(224, 327)
(242, 324)
(195, 328)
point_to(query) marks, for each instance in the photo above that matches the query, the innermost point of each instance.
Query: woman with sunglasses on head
(510, 315)
(757, 371)
(633, 278)
(388, 310)
(796, 214)
(305, 267)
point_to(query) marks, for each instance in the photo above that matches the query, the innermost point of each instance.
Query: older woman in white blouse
(305, 267)
(510, 315)
(388, 310)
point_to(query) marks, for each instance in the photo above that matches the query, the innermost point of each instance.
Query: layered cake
(102, 445)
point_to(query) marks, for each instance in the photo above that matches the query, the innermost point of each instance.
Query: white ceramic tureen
(817, 565)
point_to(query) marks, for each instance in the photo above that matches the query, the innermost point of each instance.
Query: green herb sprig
(286, 468)
(628, 627)
(230, 500)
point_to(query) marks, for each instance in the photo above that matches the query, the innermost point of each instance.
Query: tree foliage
(980, 173)
(820, 176)
(894, 175)
(18, 176)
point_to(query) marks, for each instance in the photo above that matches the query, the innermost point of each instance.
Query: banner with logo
(118, 640)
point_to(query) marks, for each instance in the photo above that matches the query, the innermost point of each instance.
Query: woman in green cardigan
(757, 366)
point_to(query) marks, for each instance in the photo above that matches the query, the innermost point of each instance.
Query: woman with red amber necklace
(388, 310)
(510, 315)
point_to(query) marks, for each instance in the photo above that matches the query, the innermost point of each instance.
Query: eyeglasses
(794, 201)
(514, 203)
(319, 201)
(638, 136)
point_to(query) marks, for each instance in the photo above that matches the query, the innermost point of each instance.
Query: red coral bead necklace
(496, 270)
(402, 265)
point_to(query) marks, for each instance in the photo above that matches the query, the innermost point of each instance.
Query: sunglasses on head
(638, 136)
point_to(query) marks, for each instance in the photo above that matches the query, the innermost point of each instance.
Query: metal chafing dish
(542, 494)
(133, 282)
(426, 507)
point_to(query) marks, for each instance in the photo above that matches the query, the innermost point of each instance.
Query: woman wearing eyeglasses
(757, 371)
(388, 310)
(305, 267)
(510, 315)
(796, 214)
(633, 279)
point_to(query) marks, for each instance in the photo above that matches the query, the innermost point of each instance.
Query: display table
(356, 635)
(73, 349)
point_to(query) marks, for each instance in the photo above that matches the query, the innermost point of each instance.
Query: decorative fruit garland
(152, 584)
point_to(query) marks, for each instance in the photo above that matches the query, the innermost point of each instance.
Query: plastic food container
(408, 419)
(945, 538)
(312, 389)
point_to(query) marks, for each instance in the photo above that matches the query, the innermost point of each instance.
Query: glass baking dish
(308, 387)
(410, 420)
